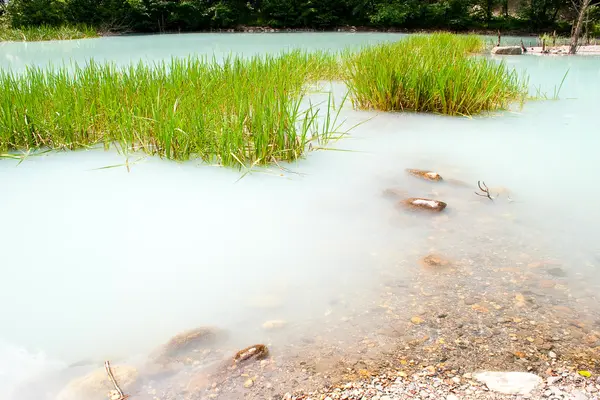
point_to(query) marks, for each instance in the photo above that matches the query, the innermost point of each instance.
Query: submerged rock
(427, 175)
(274, 324)
(182, 345)
(96, 384)
(434, 260)
(508, 50)
(256, 352)
(509, 382)
(424, 204)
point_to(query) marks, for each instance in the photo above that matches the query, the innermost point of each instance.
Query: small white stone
(552, 354)
(509, 382)
(452, 397)
(578, 395)
(274, 324)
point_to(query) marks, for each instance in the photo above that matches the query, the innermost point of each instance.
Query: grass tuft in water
(234, 113)
(431, 73)
(45, 32)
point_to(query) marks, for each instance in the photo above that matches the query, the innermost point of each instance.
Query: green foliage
(236, 112)
(45, 32)
(431, 73)
(203, 15)
(105, 14)
(36, 12)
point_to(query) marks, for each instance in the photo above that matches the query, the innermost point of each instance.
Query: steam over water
(104, 264)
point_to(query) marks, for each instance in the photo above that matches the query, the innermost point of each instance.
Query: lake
(107, 264)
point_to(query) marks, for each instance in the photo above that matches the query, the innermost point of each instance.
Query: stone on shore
(521, 383)
(508, 50)
(424, 204)
(97, 385)
(427, 175)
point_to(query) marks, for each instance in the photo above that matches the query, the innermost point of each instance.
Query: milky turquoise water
(107, 264)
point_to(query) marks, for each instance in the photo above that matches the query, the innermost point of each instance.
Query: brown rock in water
(256, 352)
(186, 342)
(433, 260)
(427, 175)
(96, 384)
(508, 50)
(424, 204)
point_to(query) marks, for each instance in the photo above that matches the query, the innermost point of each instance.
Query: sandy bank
(590, 50)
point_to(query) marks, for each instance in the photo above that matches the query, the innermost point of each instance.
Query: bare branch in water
(484, 189)
(114, 382)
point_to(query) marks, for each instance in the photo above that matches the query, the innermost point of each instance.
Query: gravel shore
(431, 384)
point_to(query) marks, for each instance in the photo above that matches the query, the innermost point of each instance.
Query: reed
(231, 112)
(431, 73)
(45, 32)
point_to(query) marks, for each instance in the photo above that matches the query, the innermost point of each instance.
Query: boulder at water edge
(96, 385)
(427, 175)
(181, 346)
(508, 50)
(417, 203)
(509, 382)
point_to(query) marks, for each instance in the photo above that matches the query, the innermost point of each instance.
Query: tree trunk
(578, 25)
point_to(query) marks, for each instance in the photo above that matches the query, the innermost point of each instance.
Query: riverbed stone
(97, 385)
(434, 261)
(417, 203)
(508, 50)
(182, 345)
(521, 383)
(255, 352)
(274, 324)
(423, 174)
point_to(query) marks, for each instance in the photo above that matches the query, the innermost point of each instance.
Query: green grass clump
(431, 73)
(235, 112)
(45, 32)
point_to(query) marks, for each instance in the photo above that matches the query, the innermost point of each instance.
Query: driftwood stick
(483, 187)
(114, 381)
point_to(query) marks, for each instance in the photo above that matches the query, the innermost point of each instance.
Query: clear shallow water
(106, 264)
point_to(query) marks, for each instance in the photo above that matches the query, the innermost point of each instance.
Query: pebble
(248, 383)
(552, 354)
(274, 324)
(578, 395)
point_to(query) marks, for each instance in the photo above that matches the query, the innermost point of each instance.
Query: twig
(484, 189)
(114, 381)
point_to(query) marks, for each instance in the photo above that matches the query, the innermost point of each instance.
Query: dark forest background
(519, 16)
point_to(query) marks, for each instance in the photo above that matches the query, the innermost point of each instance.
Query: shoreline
(268, 29)
(588, 50)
